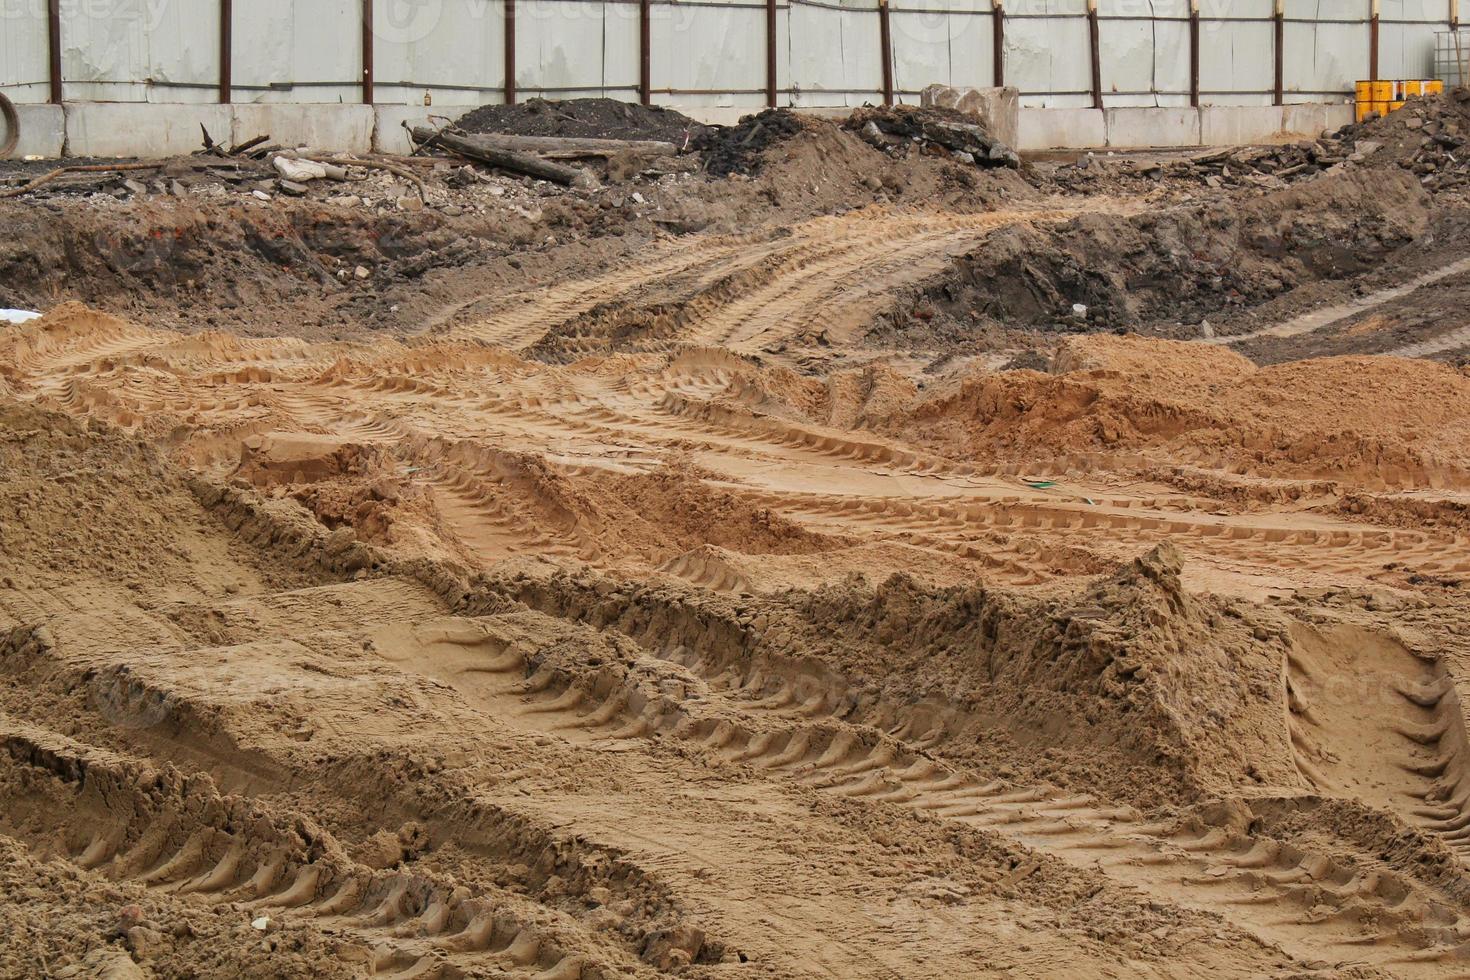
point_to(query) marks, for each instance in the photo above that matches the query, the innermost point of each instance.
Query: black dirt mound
(583, 118)
(738, 149)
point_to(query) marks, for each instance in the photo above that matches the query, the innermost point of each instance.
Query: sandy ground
(700, 609)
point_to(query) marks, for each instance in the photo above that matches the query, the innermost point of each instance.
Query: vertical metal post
(645, 52)
(367, 52)
(53, 42)
(1194, 53)
(226, 49)
(771, 53)
(1373, 40)
(998, 34)
(510, 51)
(1092, 32)
(885, 39)
(1278, 18)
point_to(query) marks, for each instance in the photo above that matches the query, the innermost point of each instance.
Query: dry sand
(652, 622)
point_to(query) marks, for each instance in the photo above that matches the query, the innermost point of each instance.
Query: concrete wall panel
(42, 131)
(1153, 127)
(1045, 129)
(111, 129)
(346, 128)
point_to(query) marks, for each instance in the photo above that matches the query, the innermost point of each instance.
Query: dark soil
(583, 118)
(1162, 271)
(740, 149)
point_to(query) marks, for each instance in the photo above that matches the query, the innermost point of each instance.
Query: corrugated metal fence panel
(298, 51)
(715, 53)
(850, 27)
(1326, 50)
(1237, 62)
(949, 42)
(24, 68)
(708, 51)
(1145, 46)
(561, 48)
(1048, 52)
(452, 49)
(163, 51)
(1406, 37)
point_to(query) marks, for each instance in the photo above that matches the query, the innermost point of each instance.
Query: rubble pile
(898, 130)
(739, 149)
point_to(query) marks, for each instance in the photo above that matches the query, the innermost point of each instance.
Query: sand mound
(1322, 417)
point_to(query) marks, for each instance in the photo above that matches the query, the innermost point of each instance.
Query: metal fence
(714, 52)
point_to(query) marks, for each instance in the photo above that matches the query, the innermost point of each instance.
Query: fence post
(998, 35)
(1278, 16)
(771, 53)
(53, 48)
(1093, 39)
(885, 40)
(509, 23)
(1373, 40)
(226, 47)
(645, 52)
(1194, 53)
(367, 52)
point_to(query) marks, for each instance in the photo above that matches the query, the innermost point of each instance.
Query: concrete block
(1057, 129)
(324, 126)
(1232, 125)
(1146, 127)
(389, 136)
(997, 109)
(42, 131)
(141, 129)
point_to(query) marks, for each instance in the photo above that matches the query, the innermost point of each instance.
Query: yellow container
(1393, 106)
(1380, 91)
(1413, 87)
(1363, 108)
(1365, 92)
(1379, 107)
(1433, 87)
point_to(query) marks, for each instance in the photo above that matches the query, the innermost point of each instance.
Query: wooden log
(521, 163)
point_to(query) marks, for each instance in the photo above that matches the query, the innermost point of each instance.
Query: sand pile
(1336, 417)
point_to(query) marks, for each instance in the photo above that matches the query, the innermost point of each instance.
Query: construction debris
(482, 151)
(931, 129)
